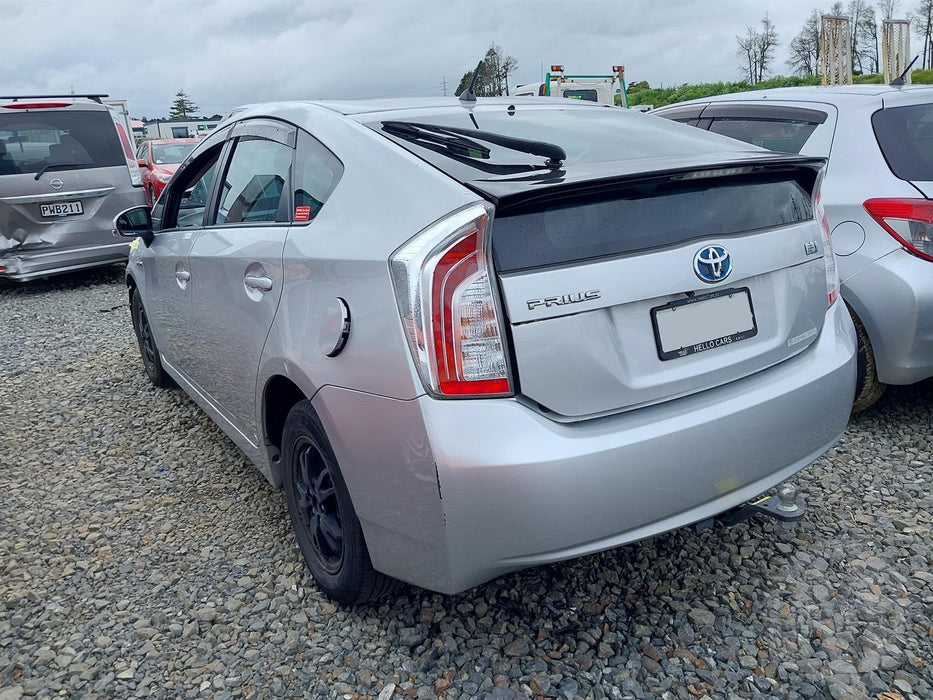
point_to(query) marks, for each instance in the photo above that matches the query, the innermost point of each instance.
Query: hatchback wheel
(328, 532)
(867, 387)
(147, 345)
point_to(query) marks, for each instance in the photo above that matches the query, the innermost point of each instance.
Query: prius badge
(712, 263)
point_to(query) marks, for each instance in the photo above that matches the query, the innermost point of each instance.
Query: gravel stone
(142, 556)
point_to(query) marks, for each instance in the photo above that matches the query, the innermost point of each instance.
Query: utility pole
(445, 86)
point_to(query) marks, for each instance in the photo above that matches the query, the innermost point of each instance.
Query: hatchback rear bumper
(893, 297)
(454, 493)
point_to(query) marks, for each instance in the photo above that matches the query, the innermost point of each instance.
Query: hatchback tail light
(829, 259)
(909, 221)
(449, 307)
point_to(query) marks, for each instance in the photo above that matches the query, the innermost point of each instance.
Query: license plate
(702, 323)
(61, 209)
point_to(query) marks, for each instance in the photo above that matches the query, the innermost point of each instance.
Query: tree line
(758, 46)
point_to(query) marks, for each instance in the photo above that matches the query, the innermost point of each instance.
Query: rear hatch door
(623, 291)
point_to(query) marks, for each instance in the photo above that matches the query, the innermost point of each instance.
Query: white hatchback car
(877, 196)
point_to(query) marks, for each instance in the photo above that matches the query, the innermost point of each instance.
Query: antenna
(468, 95)
(899, 80)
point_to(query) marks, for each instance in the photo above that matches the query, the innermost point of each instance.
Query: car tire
(867, 387)
(326, 527)
(148, 350)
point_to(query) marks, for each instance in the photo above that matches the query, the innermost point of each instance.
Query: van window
(29, 141)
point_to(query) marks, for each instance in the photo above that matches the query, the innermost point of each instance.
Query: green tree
(183, 107)
(493, 76)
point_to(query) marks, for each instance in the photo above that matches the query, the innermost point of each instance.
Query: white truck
(594, 88)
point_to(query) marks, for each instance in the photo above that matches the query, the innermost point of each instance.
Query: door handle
(183, 275)
(263, 284)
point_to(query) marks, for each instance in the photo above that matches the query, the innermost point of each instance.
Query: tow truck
(601, 89)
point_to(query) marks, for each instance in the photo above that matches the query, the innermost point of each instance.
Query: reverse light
(829, 259)
(909, 221)
(449, 309)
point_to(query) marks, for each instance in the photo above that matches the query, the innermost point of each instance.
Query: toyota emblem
(712, 263)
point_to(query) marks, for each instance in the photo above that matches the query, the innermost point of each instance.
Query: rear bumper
(893, 297)
(29, 263)
(459, 492)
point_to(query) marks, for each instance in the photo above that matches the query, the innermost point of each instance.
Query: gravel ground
(141, 555)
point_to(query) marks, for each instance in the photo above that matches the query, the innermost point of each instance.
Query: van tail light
(909, 221)
(449, 307)
(829, 258)
(136, 177)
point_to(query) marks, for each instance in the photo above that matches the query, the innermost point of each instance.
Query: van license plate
(703, 322)
(61, 209)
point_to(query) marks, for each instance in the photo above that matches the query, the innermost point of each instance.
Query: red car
(158, 160)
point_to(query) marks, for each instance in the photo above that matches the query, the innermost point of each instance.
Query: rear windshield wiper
(457, 145)
(554, 154)
(59, 166)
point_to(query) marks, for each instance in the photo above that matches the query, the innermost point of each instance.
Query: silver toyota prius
(468, 337)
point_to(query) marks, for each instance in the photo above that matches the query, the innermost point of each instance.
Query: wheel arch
(279, 397)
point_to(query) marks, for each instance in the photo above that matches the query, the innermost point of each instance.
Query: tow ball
(781, 505)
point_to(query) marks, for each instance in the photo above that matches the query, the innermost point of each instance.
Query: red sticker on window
(302, 213)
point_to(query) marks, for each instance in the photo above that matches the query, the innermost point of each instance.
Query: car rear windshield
(171, 153)
(30, 141)
(589, 95)
(905, 135)
(785, 135)
(647, 215)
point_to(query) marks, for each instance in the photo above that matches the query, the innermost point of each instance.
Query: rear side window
(589, 95)
(30, 141)
(644, 216)
(905, 135)
(317, 171)
(788, 136)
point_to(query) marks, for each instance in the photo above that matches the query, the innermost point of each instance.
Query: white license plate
(701, 323)
(61, 209)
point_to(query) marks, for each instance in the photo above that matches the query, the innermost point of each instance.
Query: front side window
(180, 132)
(185, 204)
(254, 182)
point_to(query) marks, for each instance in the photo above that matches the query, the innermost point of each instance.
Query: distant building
(179, 128)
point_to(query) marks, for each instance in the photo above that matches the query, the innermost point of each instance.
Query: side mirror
(135, 222)
(142, 164)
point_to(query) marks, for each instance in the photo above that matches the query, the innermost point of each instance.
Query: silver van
(66, 169)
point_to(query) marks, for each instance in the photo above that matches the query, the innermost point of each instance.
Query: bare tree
(756, 49)
(865, 50)
(889, 8)
(805, 47)
(923, 26)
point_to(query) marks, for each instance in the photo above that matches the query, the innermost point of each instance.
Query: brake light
(909, 221)
(829, 259)
(36, 105)
(449, 309)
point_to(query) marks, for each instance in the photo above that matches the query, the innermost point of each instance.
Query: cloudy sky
(229, 52)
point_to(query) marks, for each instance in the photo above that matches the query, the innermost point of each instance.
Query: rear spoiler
(96, 97)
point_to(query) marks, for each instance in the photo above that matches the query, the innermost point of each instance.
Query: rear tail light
(136, 177)
(449, 308)
(829, 259)
(909, 221)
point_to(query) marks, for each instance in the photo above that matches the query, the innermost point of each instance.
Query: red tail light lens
(449, 308)
(829, 258)
(36, 105)
(909, 221)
